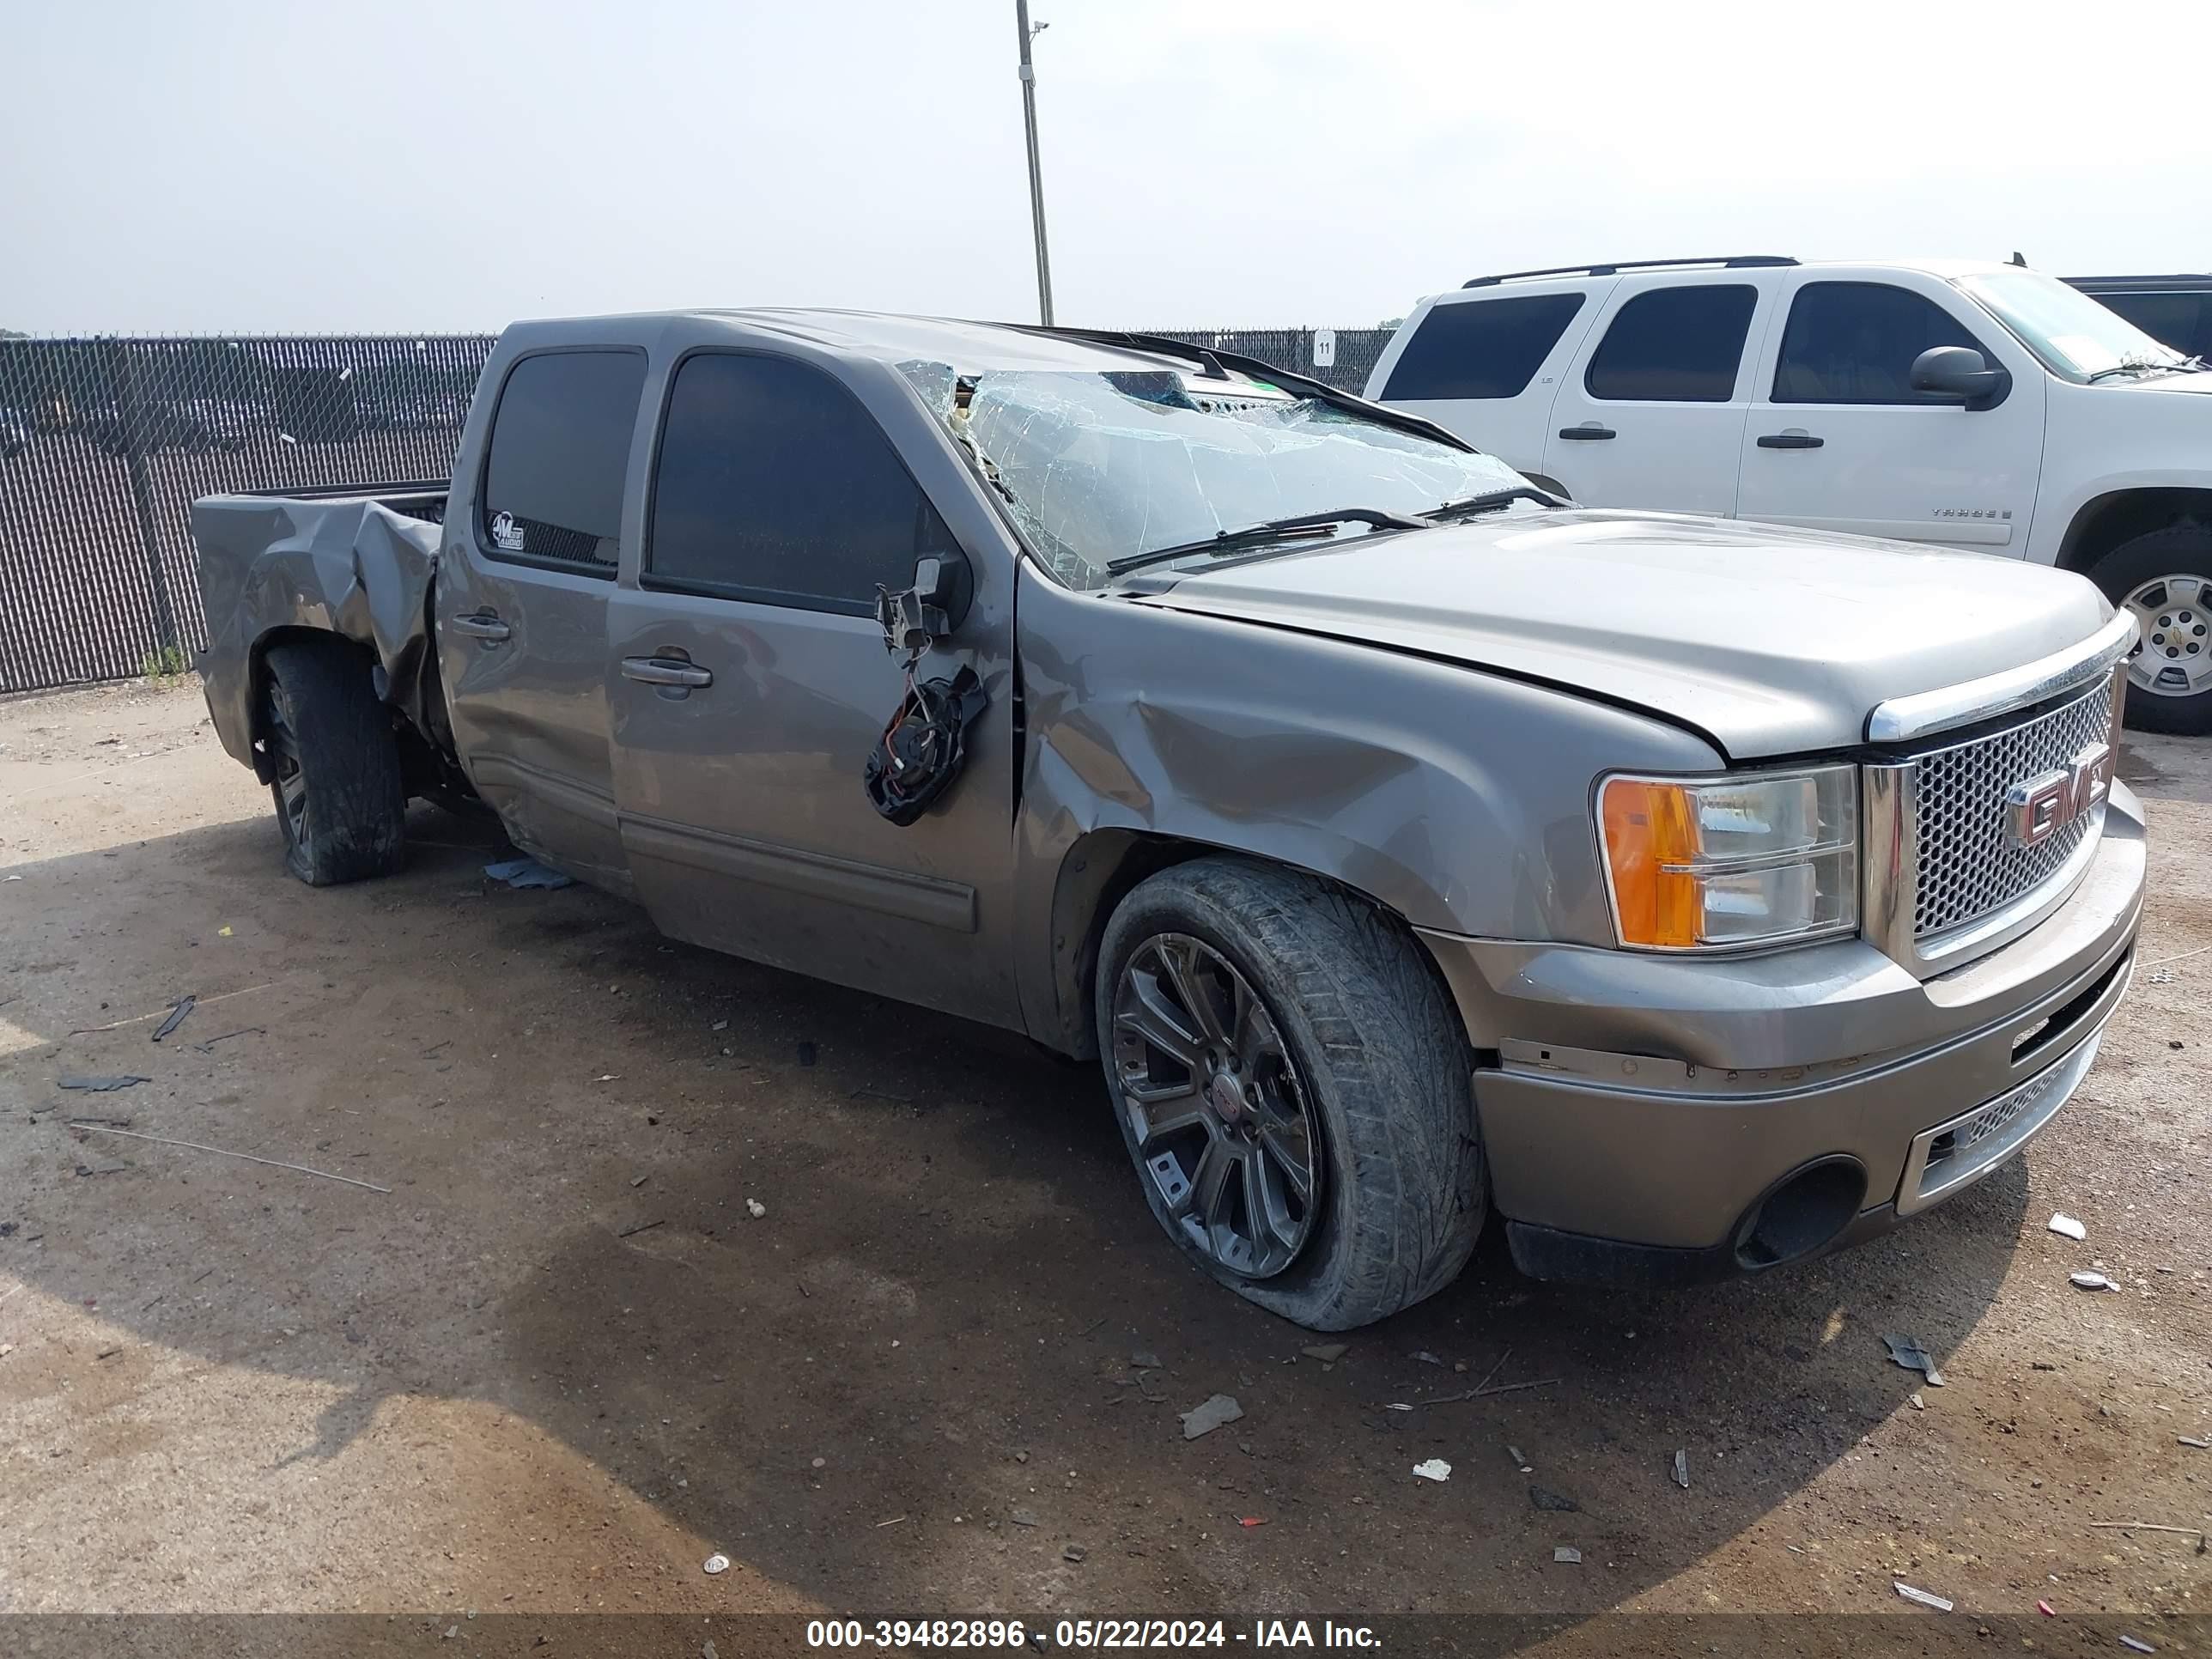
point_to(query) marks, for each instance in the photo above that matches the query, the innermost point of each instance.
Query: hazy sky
(251, 164)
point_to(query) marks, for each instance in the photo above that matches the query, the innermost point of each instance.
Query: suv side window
(1854, 342)
(1480, 347)
(1674, 345)
(560, 444)
(774, 484)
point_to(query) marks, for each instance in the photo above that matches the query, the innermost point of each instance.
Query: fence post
(130, 426)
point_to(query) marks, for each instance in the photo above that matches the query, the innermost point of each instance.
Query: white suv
(1973, 405)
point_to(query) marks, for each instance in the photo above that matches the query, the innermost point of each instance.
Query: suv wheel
(2166, 579)
(340, 801)
(1294, 1086)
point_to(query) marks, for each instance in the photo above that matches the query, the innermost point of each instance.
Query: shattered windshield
(1099, 467)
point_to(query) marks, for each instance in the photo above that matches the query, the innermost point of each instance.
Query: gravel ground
(561, 1360)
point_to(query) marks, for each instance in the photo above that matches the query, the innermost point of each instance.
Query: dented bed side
(344, 564)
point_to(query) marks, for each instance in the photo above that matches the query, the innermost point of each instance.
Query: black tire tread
(1395, 1089)
(349, 756)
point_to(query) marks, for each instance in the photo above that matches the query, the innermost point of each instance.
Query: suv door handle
(1587, 433)
(663, 671)
(482, 625)
(1790, 441)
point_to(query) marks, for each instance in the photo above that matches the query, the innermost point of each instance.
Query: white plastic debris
(754, 1208)
(1397, 1406)
(2136, 1644)
(1568, 1554)
(1907, 1351)
(1209, 1414)
(1434, 1469)
(2186, 1439)
(1918, 1404)
(1682, 1470)
(1922, 1597)
(2066, 1226)
(717, 1563)
(2090, 1282)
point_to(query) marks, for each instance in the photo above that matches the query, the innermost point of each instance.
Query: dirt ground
(560, 1361)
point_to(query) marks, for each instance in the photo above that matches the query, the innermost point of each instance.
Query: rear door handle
(662, 671)
(1790, 441)
(482, 626)
(1586, 433)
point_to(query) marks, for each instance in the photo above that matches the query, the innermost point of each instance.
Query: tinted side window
(2183, 321)
(1481, 348)
(560, 444)
(1854, 342)
(1674, 345)
(774, 483)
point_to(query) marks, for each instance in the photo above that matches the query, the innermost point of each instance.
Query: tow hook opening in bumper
(1801, 1214)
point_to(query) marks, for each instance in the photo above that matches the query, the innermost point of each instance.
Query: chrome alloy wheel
(1224, 1131)
(2176, 658)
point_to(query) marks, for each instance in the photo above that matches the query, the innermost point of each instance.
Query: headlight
(1709, 863)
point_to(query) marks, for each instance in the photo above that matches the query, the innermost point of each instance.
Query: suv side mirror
(1960, 372)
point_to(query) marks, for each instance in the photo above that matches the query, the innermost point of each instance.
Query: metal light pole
(1036, 178)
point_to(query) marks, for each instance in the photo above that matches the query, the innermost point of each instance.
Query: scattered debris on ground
(1907, 1351)
(2090, 1281)
(1073, 1552)
(1558, 1503)
(100, 1086)
(1144, 1360)
(1567, 1555)
(1208, 1415)
(1434, 1469)
(754, 1208)
(1327, 1352)
(1682, 1470)
(528, 873)
(716, 1564)
(99, 1126)
(2136, 1644)
(1924, 1598)
(179, 1010)
(2067, 1227)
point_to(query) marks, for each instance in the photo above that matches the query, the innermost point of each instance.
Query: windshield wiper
(2189, 365)
(1304, 524)
(1490, 500)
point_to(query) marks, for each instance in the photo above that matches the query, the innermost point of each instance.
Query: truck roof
(1943, 268)
(890, 337)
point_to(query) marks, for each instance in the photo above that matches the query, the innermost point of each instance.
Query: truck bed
(354, 560)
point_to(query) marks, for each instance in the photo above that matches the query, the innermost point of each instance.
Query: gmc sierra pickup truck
(1407, 842)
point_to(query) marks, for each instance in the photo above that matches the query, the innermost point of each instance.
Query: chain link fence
(105, 444)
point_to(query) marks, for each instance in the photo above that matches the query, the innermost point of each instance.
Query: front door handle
(482, 625)
(1586, 433)
(1790, 441)
(663, 671)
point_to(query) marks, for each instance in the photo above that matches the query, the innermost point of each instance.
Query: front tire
(2166, 578)
(341, 801)
(1294, 1086)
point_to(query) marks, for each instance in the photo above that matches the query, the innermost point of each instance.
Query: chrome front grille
(1968, 866)
(1945, 877)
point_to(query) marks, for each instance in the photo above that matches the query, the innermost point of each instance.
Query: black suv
(2175, 311)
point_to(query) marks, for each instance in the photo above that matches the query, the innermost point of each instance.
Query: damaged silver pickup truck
(1407, 842)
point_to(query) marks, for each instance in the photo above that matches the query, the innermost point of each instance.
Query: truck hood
(1768, 640)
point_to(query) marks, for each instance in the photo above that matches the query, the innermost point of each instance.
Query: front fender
(1457, 798)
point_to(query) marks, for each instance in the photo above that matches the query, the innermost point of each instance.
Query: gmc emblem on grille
(2036, 810)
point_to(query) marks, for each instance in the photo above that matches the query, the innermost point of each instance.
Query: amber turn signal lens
(1647, 827)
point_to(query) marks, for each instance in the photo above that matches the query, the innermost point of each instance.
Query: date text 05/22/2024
(1110, 1633)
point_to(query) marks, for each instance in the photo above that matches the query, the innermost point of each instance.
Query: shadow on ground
(955, 1300)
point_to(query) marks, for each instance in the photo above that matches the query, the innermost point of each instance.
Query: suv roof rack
(1726, 261)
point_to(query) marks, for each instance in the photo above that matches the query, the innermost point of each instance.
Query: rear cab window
(552, 491)
(1676, 344)
(774, 484)
(1481, 348)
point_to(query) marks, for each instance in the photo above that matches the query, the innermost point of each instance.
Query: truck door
(749, 684)
(1839, 440)
(1654, 416)
(524, 570)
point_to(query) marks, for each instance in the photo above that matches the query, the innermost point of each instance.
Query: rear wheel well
(2111, 520)
(257, 672)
